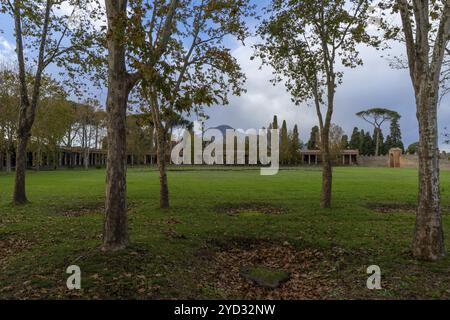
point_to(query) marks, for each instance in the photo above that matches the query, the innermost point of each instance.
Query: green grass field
(220, 221)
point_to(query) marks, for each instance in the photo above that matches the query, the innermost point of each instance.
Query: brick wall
(406, 161)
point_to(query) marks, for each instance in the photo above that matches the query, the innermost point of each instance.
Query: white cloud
(7, 50)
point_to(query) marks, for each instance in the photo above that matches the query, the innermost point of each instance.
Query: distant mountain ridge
(222, 128)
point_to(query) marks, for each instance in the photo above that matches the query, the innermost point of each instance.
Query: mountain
(223, 128)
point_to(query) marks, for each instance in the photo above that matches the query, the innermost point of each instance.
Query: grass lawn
(220, 221)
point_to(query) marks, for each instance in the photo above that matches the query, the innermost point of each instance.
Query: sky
(375, 84)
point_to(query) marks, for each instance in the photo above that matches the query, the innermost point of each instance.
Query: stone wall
(372, 161)
(406, 161)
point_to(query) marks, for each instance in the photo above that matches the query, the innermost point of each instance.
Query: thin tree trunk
(164, 187)
(428, 236)
(56, 159)
(377, 144)
(27, 110)
(115, 233)
(86, 158)
(327, 171)
(20, 196)
(8, 160)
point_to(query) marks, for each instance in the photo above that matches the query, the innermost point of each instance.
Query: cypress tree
(388, 144)
(284, 144)
(295, 146)
(362, 148)
(275, 122)
(313, 143)
(355, 141)
(368, 145)
(344, 142)
(396, 135)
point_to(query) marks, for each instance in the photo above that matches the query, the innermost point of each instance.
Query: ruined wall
(372, 161)
(406, 161)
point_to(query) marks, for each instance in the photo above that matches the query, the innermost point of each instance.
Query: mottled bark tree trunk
(115, 235)
(377, 143)
(86, 158)
(20, 196)
(327, 170)
(162, 166)
(425, 61)
(325, 126)
(429, 235)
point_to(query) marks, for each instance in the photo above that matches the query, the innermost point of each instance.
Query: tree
(85, 114)
(50, 37)
(132, 59)
(314, 139)
(275, 125)
(53, 118)
(387, 144)
(368, 145)
(378, 138)
(425, 30)
(295, 146)
(376, 117)
(413, 148)
(9, 108)
(355, 140)
(120, 84)
(71, 133)
(303, 41)
(202, 72)
(396, 135)
(336, 135)
(344, 142)
(139, 137)
(284, 144)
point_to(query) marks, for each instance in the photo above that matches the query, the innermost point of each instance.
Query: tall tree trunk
(86, 158)
(425, 61)
(20, 196)
(327, 171)
(27, 110)
(377, 143)
(8, 160)
(115, 235)
(428, 236)
(164, 187)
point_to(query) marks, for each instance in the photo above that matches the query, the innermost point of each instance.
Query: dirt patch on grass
(250, 209)
(392, 207)
(89, 209)
(84, 210)
(399, 208)
(309, 277)
(12, 246)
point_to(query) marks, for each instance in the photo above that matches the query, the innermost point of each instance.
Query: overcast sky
(373, 85)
